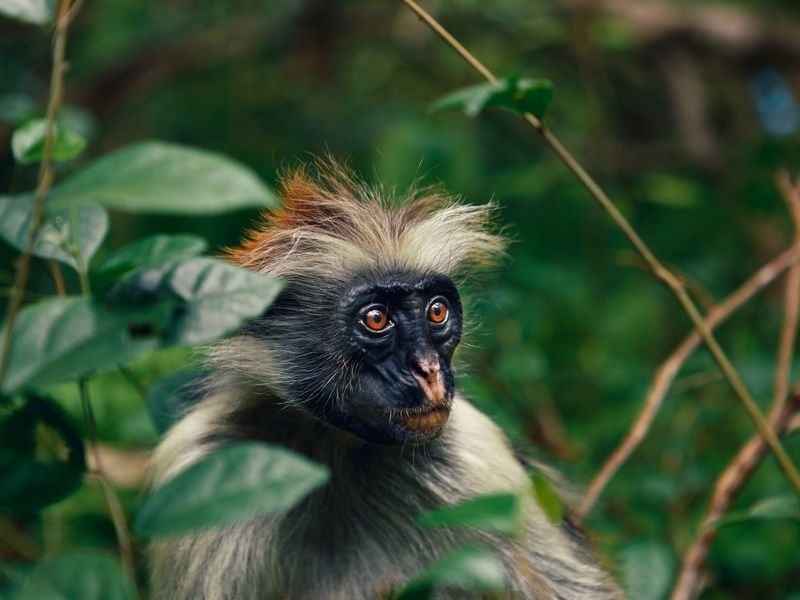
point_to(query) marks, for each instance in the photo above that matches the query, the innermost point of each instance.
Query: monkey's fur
(289, 380)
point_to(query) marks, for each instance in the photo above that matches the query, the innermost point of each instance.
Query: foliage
(229, 485)
(686, 129)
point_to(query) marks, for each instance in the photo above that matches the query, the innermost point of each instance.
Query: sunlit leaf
(499, 512)
(777, 507)
(149, 251)
(520, 95)
(156, 177)
(215, 297)
(647, 570)
(28, 142)
(77, 577)
(66, 232)
(170, 396)
(468, 568)
(71, 336)
(231, 484)
(38, 12)
(547, 497)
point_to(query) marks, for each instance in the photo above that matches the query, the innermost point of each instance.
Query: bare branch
(668, 370)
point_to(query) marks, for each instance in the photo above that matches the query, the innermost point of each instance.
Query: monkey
(352, 367)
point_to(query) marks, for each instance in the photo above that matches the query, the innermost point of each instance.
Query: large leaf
(231, 484)
(28, 142)
(28, 482)
(777, 507)
(37, 12)
(149, 251)
(647, 570)
(468, 568)
(499, 512)
(215, 297)
(80, 227)
(155, 177)
(522, 96)
(77, 577)
(170, 396)
(72, 336)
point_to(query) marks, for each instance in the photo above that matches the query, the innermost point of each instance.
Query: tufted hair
(333, 224)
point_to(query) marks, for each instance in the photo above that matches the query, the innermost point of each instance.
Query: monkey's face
(382, 371)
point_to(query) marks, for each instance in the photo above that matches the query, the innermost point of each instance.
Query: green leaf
(170, 396)
(521, 96)
(215, 297)
(547, 497)
(155, 177)
(28, 142)
(146, 252)
(498, 512)
(27, 482)
(77, 577)
(647, 570)
(232, 484)
(38, 12)
(468, 568)
(777, 507)
(81, 227)
(71, 336)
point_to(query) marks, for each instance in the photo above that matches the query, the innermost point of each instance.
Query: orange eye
(375, 319)
(437, 312)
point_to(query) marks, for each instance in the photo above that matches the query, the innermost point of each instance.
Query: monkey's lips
(425, 421)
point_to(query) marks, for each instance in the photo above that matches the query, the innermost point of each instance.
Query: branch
(744, 464)
(653, 264)
(726, 489)
(66, 14)
(124, 538)
(668, 370)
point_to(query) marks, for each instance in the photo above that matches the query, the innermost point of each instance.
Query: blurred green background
(684, 111)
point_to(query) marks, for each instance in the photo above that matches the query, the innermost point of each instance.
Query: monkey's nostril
(428, 367)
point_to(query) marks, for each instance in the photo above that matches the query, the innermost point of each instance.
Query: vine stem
(653, 264)
(117, 513)
(65, 14)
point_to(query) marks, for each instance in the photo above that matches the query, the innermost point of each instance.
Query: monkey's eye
(438, 311)
(376, 319)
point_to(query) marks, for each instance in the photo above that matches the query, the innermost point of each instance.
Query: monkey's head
(363, 335)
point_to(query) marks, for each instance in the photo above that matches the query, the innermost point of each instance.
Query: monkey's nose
(428, 367)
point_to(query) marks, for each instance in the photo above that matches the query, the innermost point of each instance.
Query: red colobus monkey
(352, 367)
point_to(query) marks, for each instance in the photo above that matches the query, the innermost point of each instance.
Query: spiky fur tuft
(333, 224)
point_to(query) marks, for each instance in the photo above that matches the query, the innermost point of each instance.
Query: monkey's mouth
(424, 421)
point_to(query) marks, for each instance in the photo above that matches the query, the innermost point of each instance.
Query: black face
(382, 370)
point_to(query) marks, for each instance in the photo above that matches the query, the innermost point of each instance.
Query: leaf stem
(654, 265)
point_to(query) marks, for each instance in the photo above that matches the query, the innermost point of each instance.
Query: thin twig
(58, 277)
(655, 266)
(65, 14)
(124, 537)
(744, 464)
(667, 371)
